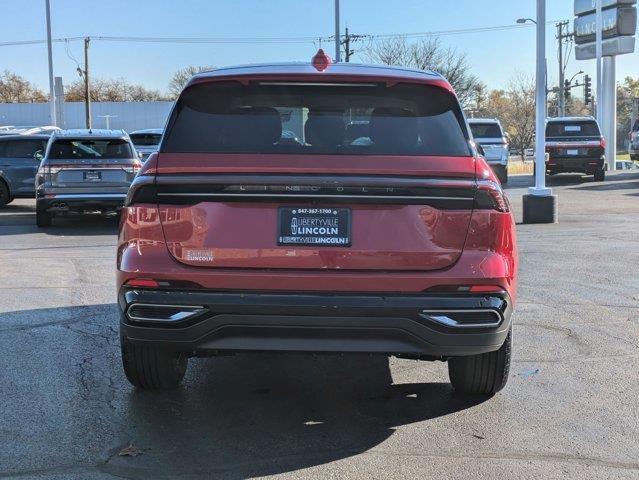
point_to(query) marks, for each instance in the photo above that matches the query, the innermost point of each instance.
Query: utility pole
(348, 38)
(50, 55)
(337, 39)
(87, 89)
(560, 37)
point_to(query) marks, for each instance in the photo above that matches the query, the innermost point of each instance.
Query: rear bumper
(419, 325)
(81, 201)
(587, 165)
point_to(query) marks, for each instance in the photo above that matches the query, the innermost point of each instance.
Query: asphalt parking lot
(570, 409)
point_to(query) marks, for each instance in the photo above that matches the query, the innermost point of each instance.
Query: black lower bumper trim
(77, 204)
(388, 324)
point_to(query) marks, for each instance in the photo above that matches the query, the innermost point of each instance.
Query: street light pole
(598, 48)
(540, 205)
(50, 54)
(540, 120)
(337, 36)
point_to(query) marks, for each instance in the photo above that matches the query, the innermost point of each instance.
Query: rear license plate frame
(319, 224)
(92, 176)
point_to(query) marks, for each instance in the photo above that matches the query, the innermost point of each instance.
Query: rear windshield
(572, 129)
(145, 139)
(486, 130)
(291, 118)
(72, 149)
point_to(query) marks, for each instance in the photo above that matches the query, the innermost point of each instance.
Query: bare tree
(181, 77)
(428, 54)
(15, 89)
(519, 116)
(111, 90)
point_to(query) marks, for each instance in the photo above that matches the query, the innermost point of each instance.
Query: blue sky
(494, 56)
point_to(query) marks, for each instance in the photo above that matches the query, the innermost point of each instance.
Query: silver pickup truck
(84, 171)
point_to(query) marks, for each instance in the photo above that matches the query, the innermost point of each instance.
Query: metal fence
(128, 116)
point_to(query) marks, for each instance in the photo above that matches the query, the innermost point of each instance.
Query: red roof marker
(321, 61)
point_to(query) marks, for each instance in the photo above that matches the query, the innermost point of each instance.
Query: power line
(268, 40)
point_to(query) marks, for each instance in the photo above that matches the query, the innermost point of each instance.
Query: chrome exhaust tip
(147, 312)
(464, 318)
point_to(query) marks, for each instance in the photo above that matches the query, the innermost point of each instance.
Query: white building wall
(128, 116)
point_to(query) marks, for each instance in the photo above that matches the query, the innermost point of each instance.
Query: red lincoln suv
(317, 208)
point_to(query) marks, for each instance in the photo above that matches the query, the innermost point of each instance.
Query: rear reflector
(465, 288)
(486, 289)
(142, 282)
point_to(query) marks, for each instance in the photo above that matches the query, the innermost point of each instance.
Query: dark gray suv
(20, 157)
(84, 171)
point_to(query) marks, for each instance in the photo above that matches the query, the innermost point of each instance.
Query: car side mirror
(38, 155)
(140, 155)
(480, 150)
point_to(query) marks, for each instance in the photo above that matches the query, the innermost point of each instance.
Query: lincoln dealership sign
(583, 7)
(615, 22)
(619, 24)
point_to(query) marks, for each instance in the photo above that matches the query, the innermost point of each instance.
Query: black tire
(5, 195)
(600, 175)
(152, 368)
(43, 218)
(502, 174)
(483, 374)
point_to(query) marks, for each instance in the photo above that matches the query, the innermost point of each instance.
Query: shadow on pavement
(257, 415)
(23, 221)
(234, 416)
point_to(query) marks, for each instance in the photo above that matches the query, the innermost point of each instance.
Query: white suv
(488, 133)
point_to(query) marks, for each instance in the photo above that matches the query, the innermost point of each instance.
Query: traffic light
(566, 89)
(587, 90)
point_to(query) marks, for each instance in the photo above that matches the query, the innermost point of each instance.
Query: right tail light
(490, 195)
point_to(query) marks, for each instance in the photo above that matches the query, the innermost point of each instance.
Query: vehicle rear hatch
(398, 197)
(90, 165)
(573, 139)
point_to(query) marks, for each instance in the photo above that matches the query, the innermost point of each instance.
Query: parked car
(633, 147)
(404, 245)
(146, 141)
(20, 157)
(84, 171)
(488, 133)
(575, 144)
(28, 130)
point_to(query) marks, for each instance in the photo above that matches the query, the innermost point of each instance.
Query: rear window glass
(572, 129)
(327, 119)
(21, 148)
(71, 149)
(486, 130)
(146, 139)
